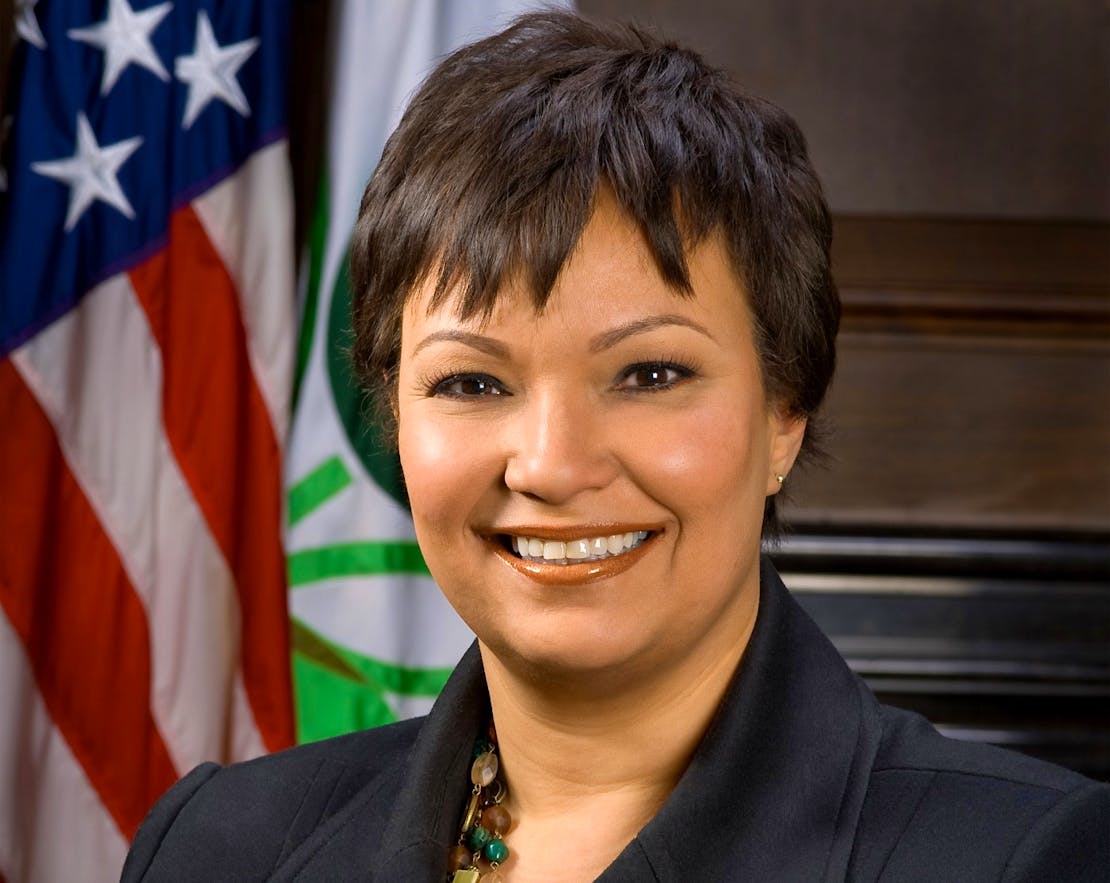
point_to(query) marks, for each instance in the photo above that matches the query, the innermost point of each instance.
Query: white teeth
(578, 549)
(574, 551)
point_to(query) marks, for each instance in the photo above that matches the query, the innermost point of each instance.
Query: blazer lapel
(775, 789)
(428, 811)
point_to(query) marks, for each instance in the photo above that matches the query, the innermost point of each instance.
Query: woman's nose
(558, 448)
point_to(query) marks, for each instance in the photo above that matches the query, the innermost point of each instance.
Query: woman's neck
(590, 762)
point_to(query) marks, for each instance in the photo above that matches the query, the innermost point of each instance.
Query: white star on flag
(211, 71)
(26, 25)
(124, 36)
(91, 172)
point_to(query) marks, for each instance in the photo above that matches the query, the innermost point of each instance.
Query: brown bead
(497, 819)
(459, 857)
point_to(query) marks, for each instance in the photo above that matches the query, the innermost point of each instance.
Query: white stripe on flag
(105, 403)
(249, 220)
(52, 826)
(388, 617)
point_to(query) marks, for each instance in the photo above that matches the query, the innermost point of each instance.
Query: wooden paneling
(978, 271)
(973, 386)
(994, 108)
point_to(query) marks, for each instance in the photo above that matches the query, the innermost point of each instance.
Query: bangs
(505, 194)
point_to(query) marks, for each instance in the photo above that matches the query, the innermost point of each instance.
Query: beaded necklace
(484, 823)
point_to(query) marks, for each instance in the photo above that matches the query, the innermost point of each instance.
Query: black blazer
(802, 776)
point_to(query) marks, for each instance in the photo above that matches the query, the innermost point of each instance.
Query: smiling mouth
(567, 560)
(577, 551)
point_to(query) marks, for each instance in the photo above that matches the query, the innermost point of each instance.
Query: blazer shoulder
(911, 743)
(939, 808)
(239, 822)
(161, 818)
(1068, 843)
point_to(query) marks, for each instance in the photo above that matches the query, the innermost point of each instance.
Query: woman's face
(620, 438)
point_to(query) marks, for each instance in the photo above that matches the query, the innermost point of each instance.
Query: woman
(592, 292)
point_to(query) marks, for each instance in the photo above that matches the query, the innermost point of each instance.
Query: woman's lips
(566, 571)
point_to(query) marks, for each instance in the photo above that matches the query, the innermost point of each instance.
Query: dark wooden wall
(996, 108)
(973, 389)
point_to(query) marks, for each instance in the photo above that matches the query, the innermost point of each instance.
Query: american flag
(146, 349)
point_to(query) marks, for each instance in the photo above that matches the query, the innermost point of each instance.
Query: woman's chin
(586, 664)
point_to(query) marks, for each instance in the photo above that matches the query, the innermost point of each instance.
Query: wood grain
(973, 387)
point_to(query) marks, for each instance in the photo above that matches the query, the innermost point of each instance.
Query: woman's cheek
(425, 450)
(699, 452)
(446, 470)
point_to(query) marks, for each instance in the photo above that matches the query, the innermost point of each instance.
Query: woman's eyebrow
(613, 336)
(477, 341)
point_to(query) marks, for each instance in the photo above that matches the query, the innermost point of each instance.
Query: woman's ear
(787, 432)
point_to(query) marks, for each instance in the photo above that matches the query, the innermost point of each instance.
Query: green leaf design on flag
(352, 403)
(338, 690)
(316, 488)
(365, 558)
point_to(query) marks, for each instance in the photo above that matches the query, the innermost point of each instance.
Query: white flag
(373, 638)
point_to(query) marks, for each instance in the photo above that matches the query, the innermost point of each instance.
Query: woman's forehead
(611, 265)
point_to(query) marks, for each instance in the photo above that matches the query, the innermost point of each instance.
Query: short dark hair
(494, 170)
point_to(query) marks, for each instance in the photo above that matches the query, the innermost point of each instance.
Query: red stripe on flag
(84, 629)
(220, 432)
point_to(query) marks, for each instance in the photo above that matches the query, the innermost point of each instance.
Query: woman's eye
(467, 386)
(653, 376)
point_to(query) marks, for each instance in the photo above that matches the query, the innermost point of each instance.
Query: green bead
(478, 838)
(496, 851)
(481, 746)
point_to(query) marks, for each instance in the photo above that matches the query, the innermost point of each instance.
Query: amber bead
(484, 769)
(497, 819)
(459, 857)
